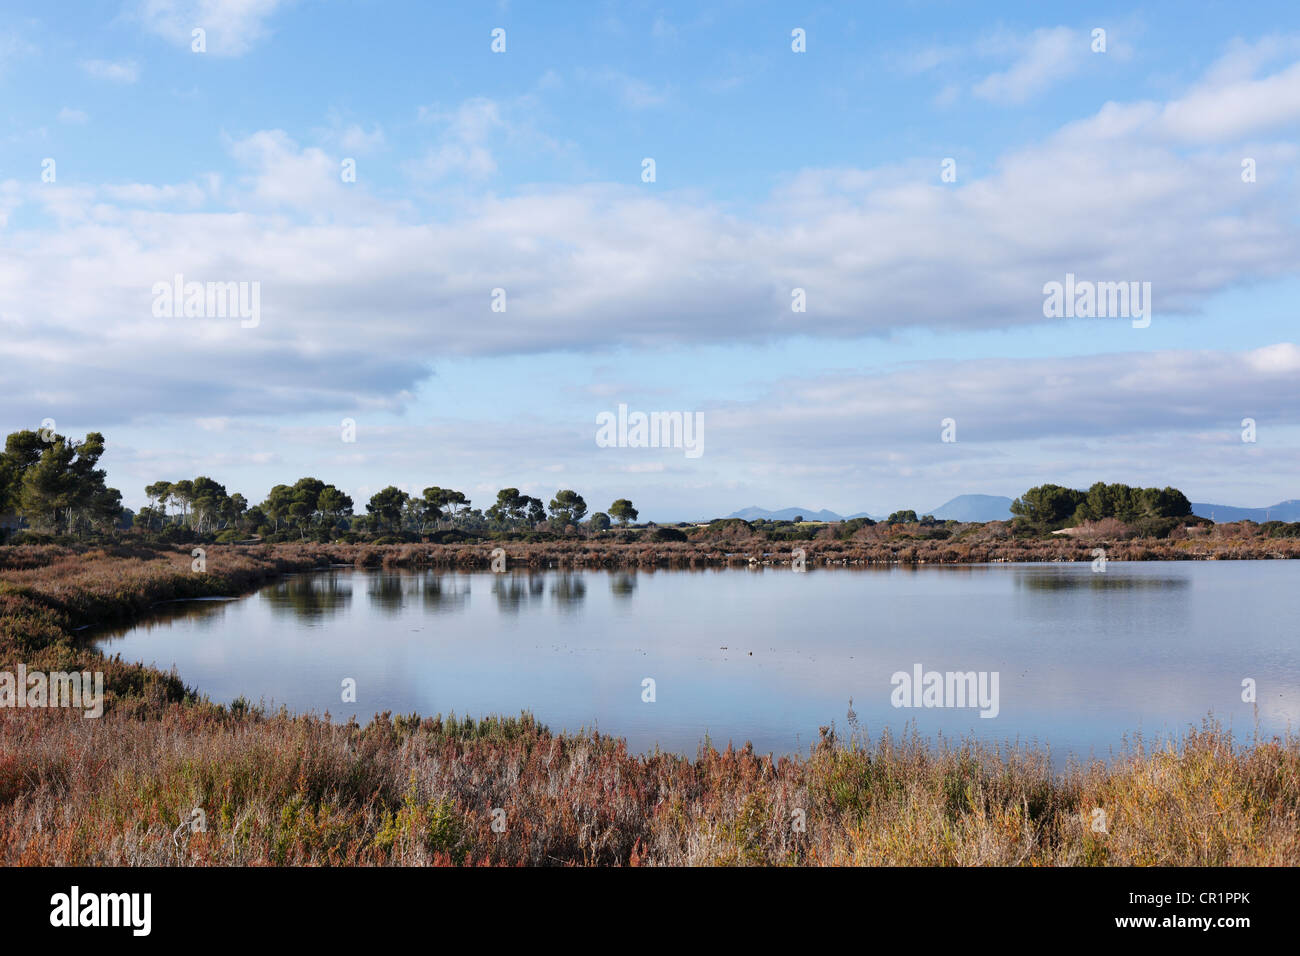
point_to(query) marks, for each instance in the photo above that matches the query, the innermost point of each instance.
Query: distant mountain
(961, 508)
(1220, 514)
(973, 508)
(998, 508)
(755, 513)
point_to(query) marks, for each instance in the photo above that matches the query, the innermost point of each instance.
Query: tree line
(52, 484)
(310, 507)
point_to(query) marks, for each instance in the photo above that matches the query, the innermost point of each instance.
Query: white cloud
(858, 441)
(1237, 108)
(947, 96)
(283, 178)
(13, 46)
(1044, 58)
(354, 139)
(360, 296)
(185, 194)
(233, 27)
(1244, 59)
(465, 147)
(927, 58)
(632, 93)
(124, 71)
(72, 117)
(997, 400)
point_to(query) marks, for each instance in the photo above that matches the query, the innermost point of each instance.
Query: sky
(461, 260)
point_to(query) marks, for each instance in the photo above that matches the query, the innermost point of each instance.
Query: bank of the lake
(292, 789)
(1063, 655)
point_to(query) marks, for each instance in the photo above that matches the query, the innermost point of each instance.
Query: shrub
(1156, 527)
(846, 529)
(1280, 529)
(450, 536)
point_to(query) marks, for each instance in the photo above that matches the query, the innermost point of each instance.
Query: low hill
(1222, 514)
(985, 508)
(961, 508)
(755, 513)
(973, 508)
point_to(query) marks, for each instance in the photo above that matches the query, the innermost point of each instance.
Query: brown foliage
(302, 790)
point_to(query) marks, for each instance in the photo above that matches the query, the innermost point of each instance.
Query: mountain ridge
(997, 508)
(961, 508)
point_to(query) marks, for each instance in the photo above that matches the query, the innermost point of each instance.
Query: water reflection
(444, 593)
(386, 590)
(568, 590)
(1084, 658)
(1045, 579)
(514, 591)
(310, 596)
(200, 613)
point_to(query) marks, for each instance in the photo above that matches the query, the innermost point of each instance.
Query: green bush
(1280, 529)
(1155, 527)
(846, 529)
(731, 526)
(31, 537)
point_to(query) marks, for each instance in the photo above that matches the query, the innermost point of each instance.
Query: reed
(275, 788)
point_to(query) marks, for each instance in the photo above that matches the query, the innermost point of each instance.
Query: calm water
(1083, 658)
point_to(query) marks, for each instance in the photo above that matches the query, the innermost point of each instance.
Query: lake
(1081, 658)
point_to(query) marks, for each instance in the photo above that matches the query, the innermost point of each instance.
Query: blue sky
(522, 170)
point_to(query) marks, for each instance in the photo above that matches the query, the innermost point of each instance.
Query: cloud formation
(1044, 58)
(364, 294)
(124, 71)
(233, 27)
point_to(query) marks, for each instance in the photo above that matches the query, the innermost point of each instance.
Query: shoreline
(285, 789)
(68, 622)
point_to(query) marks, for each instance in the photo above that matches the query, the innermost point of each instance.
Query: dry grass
(279, 789)
(301, 791)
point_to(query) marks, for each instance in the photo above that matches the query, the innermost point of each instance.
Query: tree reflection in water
(444, 593)
(513, 591)
(568, 590)
(310, 596)
(622, 584)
